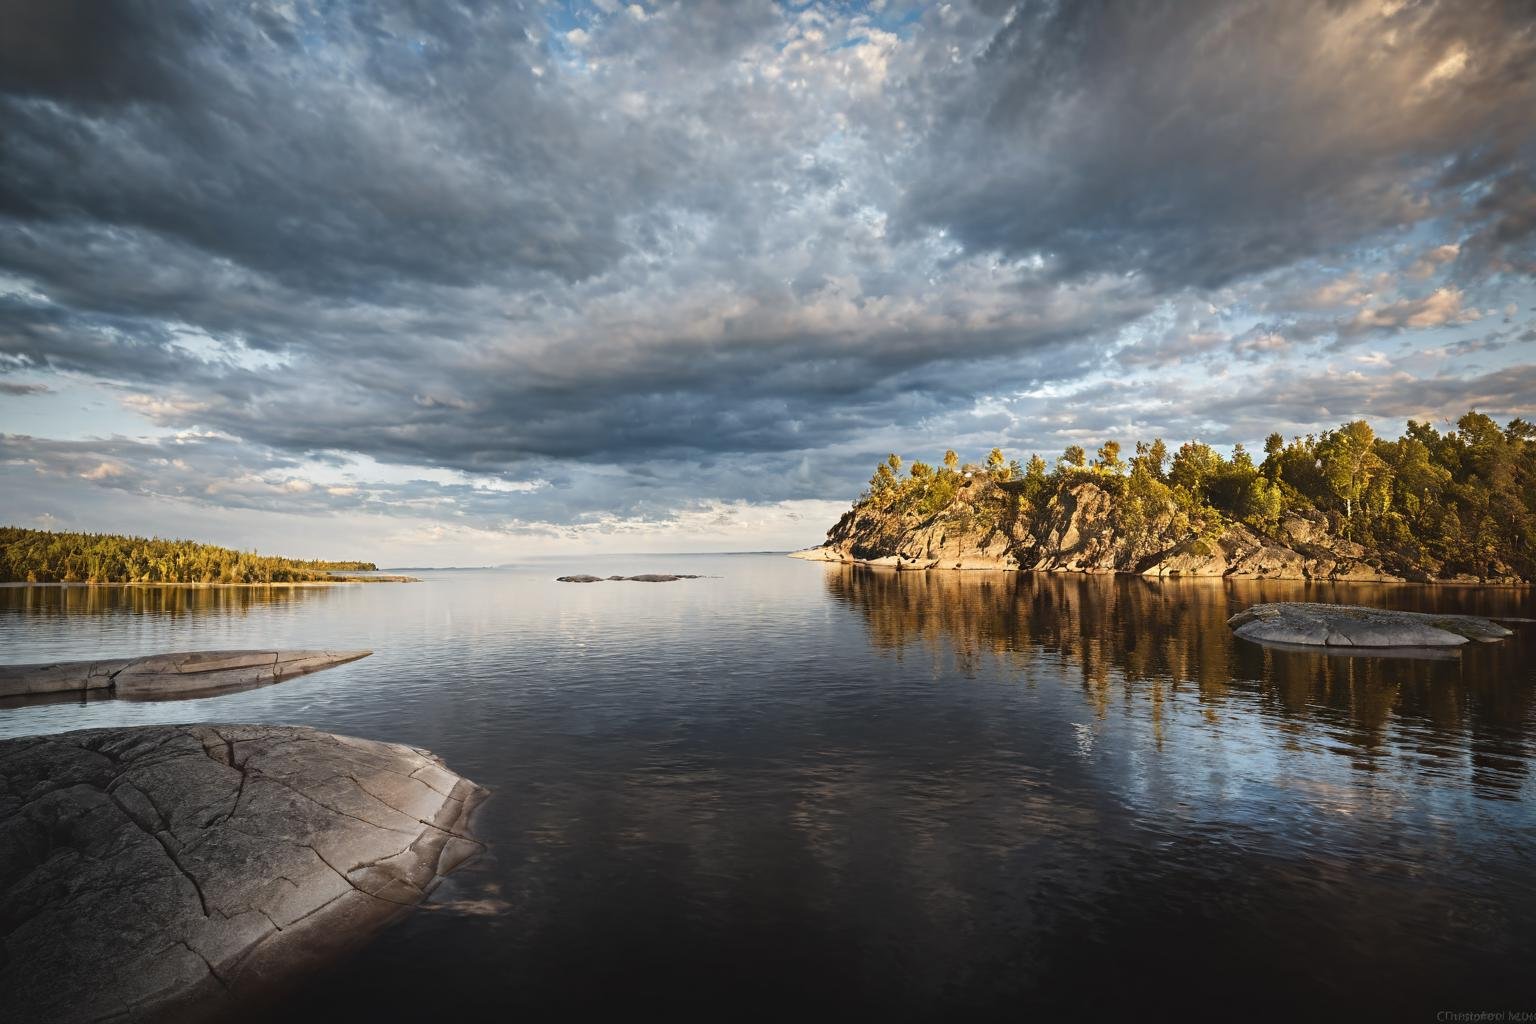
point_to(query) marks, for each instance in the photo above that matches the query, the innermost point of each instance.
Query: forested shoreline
(45, 556)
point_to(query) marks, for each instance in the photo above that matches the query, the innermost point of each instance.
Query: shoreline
(893, 563)
(16, 584)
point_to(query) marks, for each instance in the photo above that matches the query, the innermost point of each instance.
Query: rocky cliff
(1082, 526)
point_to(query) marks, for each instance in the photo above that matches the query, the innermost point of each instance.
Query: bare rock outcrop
(174, 868)
(978, 530)
(168, 676)
(1343, 625)
(1083, 526)
(1075, 533)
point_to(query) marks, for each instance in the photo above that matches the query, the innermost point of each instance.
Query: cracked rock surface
(161, 869)
(1343, 625)
(645, 577)
(168, 676)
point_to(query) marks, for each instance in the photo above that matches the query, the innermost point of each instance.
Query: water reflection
(1154, 642)
(926, 796)
(140, 599)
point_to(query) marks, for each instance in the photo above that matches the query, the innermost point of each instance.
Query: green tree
(53, 557)
(1034, 477)
(1274, 444)
(1153, 455)
(883, 480)
(1193, 465)
(1262, 504)
(1349, 462)
(997, 464)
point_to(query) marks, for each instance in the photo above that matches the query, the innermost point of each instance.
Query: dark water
(803, 791)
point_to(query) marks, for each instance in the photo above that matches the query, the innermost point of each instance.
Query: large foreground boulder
(167, 676)
(1342, 625)
(171, 868)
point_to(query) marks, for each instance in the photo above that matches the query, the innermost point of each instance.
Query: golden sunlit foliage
(41, 556)
(1462, 501)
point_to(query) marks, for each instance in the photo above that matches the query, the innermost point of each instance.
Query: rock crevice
(1342, 625)
(232, 843)
(167, 676)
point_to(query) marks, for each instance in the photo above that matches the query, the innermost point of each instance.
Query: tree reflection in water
(1155, 642)
(138, 599)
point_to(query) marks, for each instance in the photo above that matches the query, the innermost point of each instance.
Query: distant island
(1458, 506)
(44, 556)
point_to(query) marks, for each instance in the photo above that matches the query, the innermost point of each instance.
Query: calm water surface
(797, 789)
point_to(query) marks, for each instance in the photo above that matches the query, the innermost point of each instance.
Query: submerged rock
(1342, 625)
(160, 868)
(168, 676)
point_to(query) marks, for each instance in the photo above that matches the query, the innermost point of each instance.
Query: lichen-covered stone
(1340, 625)
(168, 676)
(168, 867)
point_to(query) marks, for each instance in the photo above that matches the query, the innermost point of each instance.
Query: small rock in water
(168, 676)
(648, 577)
(1342, 625)
(164, 869)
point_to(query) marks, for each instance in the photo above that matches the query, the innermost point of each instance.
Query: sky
(436, 283)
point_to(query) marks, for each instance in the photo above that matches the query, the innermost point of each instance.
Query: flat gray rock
(162, 869)
(1343, 625)
(647, 577)
(167, 676)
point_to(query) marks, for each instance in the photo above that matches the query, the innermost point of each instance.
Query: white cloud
(103, 471)
(1440, 307)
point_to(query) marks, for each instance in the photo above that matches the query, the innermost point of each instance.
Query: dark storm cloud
(1306, 399)
(218, 471)
(1195, 141)
(633, 252)
(1504, 236)
(1303, 399)
(783, 399)
(336, 155)
(94, 53)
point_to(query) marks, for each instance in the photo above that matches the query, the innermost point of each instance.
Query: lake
(796, 789)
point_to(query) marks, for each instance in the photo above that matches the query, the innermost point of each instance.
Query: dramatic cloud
(569, 272)
(1195, 142)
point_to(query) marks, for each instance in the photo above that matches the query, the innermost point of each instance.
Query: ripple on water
(802, 783)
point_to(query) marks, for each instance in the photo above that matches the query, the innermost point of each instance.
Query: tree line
(44, 556)
(1461, 501)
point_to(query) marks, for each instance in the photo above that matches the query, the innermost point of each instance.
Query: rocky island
(167, 870)
(1429, 507)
